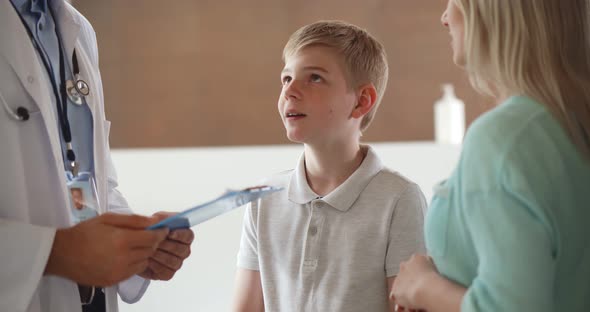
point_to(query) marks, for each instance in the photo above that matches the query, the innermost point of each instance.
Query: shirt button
(313, 230)
(30, 79)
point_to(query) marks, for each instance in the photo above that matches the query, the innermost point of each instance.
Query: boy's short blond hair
(364, 57)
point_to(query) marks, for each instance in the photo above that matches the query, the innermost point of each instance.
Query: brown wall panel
(201, 73)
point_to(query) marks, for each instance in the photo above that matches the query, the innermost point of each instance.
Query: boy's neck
(328, 167)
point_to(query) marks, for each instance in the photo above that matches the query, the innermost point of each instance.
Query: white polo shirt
(333, 253)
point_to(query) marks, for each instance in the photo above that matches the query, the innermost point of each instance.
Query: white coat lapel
(73, 36)
(18, 50)
(91, 75)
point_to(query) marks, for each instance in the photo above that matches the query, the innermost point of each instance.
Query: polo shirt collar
(345, 194)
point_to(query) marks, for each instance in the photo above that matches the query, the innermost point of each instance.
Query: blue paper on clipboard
(224, 203)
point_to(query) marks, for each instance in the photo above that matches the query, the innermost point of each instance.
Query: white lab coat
(33, 193)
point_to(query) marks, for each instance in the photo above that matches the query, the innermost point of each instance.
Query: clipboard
(220, 205)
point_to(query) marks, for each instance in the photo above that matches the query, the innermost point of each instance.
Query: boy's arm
(406, 233)
(248, 288)
(248, 293)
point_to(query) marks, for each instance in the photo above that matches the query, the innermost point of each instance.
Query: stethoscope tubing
(21, 113)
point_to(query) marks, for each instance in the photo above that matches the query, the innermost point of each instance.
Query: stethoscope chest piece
(77, 90)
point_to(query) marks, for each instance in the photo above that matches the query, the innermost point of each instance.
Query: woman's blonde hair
(539, 48)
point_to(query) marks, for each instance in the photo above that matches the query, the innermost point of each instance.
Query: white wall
(175, 179)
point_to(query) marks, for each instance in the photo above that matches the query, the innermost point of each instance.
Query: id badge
(83, 197)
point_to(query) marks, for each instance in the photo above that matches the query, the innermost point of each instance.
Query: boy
(333, 240)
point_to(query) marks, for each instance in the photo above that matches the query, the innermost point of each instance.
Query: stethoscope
(75, 90)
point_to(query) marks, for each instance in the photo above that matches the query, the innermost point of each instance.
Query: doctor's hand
(104, 250)
(170, 253)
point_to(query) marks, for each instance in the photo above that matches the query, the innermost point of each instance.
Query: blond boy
(333, 240)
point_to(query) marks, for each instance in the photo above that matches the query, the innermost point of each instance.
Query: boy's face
(316, 102)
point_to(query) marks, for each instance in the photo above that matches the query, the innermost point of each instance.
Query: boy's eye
(286, 79)
(315, 78)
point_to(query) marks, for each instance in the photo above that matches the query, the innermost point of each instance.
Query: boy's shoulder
(280, 179)
(389, 180)
(397, 188)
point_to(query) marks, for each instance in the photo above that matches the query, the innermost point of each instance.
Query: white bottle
(449, 117)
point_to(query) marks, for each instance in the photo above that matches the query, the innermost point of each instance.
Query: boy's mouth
(294, 115)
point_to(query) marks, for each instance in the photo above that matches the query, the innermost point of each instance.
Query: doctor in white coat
(44, 253)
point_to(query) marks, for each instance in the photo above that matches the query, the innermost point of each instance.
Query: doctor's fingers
(127, 221)
(159, 271)
(184, 236)
(175, 248)
(132, 239)
(168, 260)
(138, 257)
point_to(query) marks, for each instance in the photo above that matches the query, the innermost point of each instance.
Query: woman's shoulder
(511, 124)
(512, 134)
(505, 123)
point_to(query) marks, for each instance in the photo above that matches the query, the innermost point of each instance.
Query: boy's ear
(365, 101)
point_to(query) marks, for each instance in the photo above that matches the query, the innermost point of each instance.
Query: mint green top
(512, 223)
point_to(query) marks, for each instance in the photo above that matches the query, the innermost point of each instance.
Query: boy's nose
(292, 90)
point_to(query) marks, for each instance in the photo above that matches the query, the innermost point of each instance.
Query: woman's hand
(413, 276)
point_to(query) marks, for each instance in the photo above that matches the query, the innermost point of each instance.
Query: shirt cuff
(132, 289)
(248, 263)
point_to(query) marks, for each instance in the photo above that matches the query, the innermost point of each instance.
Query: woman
(509, 230)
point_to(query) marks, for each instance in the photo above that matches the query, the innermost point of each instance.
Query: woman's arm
(516, 261)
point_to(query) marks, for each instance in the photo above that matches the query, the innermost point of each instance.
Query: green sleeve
(513, 244)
